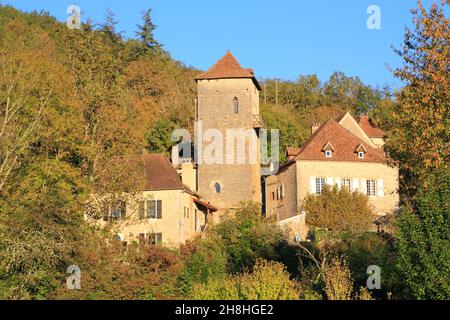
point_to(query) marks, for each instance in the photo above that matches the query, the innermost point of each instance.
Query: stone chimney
(175, 155)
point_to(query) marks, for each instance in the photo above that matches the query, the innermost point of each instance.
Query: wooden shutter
(355, 185)
(158, 238)
(141, 210)
(380, 188)
(312, 185)
(329, 181)
(159, 209)
(105, 211)
(337, 182)
(364, 186)
(123, 208)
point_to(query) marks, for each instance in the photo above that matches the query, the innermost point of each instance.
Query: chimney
(175, 155)
(314, 127)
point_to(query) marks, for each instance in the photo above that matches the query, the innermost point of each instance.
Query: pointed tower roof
(227, 68)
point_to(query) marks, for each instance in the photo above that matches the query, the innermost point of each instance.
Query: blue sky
(279, 39)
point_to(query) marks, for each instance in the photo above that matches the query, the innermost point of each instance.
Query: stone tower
(228, 99)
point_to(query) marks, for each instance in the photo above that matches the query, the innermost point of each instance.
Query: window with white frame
(361, 154)
(328, 153)
(371, 188)
(346, 183)
(320, 183)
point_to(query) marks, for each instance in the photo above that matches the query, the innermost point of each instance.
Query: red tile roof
(343, 141)
(160, 174)
(226, 68)
(369, 129)
(292, 151)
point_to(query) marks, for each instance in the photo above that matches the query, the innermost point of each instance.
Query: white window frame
(328, 153)
(371, 187)
(346, 183)
(361, 154)
(320, 183)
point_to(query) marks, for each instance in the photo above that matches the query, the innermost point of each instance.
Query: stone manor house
(181, 198)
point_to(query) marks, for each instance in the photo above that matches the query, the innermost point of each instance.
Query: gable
(349, 123)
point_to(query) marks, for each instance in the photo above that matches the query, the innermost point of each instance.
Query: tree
(424, 241)
(246, 236)
(159, 138)
(145, 32)
(419, 139)
(339, 210)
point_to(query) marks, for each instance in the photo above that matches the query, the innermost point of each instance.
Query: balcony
(257, 121)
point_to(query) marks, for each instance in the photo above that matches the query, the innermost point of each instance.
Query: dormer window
(328, 150)
(360, 150)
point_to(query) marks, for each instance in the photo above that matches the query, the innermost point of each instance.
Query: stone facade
(238, 177)
(308, 165)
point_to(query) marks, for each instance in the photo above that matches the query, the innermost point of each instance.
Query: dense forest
(76, 105)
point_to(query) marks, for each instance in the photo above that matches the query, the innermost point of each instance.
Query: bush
(268, 281)
(246, 236)
(339, 210)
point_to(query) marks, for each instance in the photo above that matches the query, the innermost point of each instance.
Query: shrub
(339, 210)
(268, 281)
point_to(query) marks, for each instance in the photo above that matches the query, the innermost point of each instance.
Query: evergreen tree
(145, 32)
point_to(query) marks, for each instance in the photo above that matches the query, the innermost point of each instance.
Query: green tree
(419, 139)
(145, 32)
(424, 241)
(159, 138)
(246, 236)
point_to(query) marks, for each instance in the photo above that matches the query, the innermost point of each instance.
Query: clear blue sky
(280, 39)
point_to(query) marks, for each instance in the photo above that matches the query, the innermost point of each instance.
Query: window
(155, 238)
(114, 211)
(361, 154)
(236, 105)
(371, 188)
(346, 183)
(150, 238)
(154, 209)
(328, 153)
(217, 187)
(273, 195)
(320, 182)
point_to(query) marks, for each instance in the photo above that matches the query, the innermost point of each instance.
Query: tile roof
(160, 174)
(369, 129)
(343, 141)
(292, 151)
(226, 68)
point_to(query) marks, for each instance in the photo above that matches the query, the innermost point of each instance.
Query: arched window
(217, 187)
(236, 105)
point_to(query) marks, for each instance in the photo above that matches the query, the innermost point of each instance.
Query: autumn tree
(339, 210)
(420, 137)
